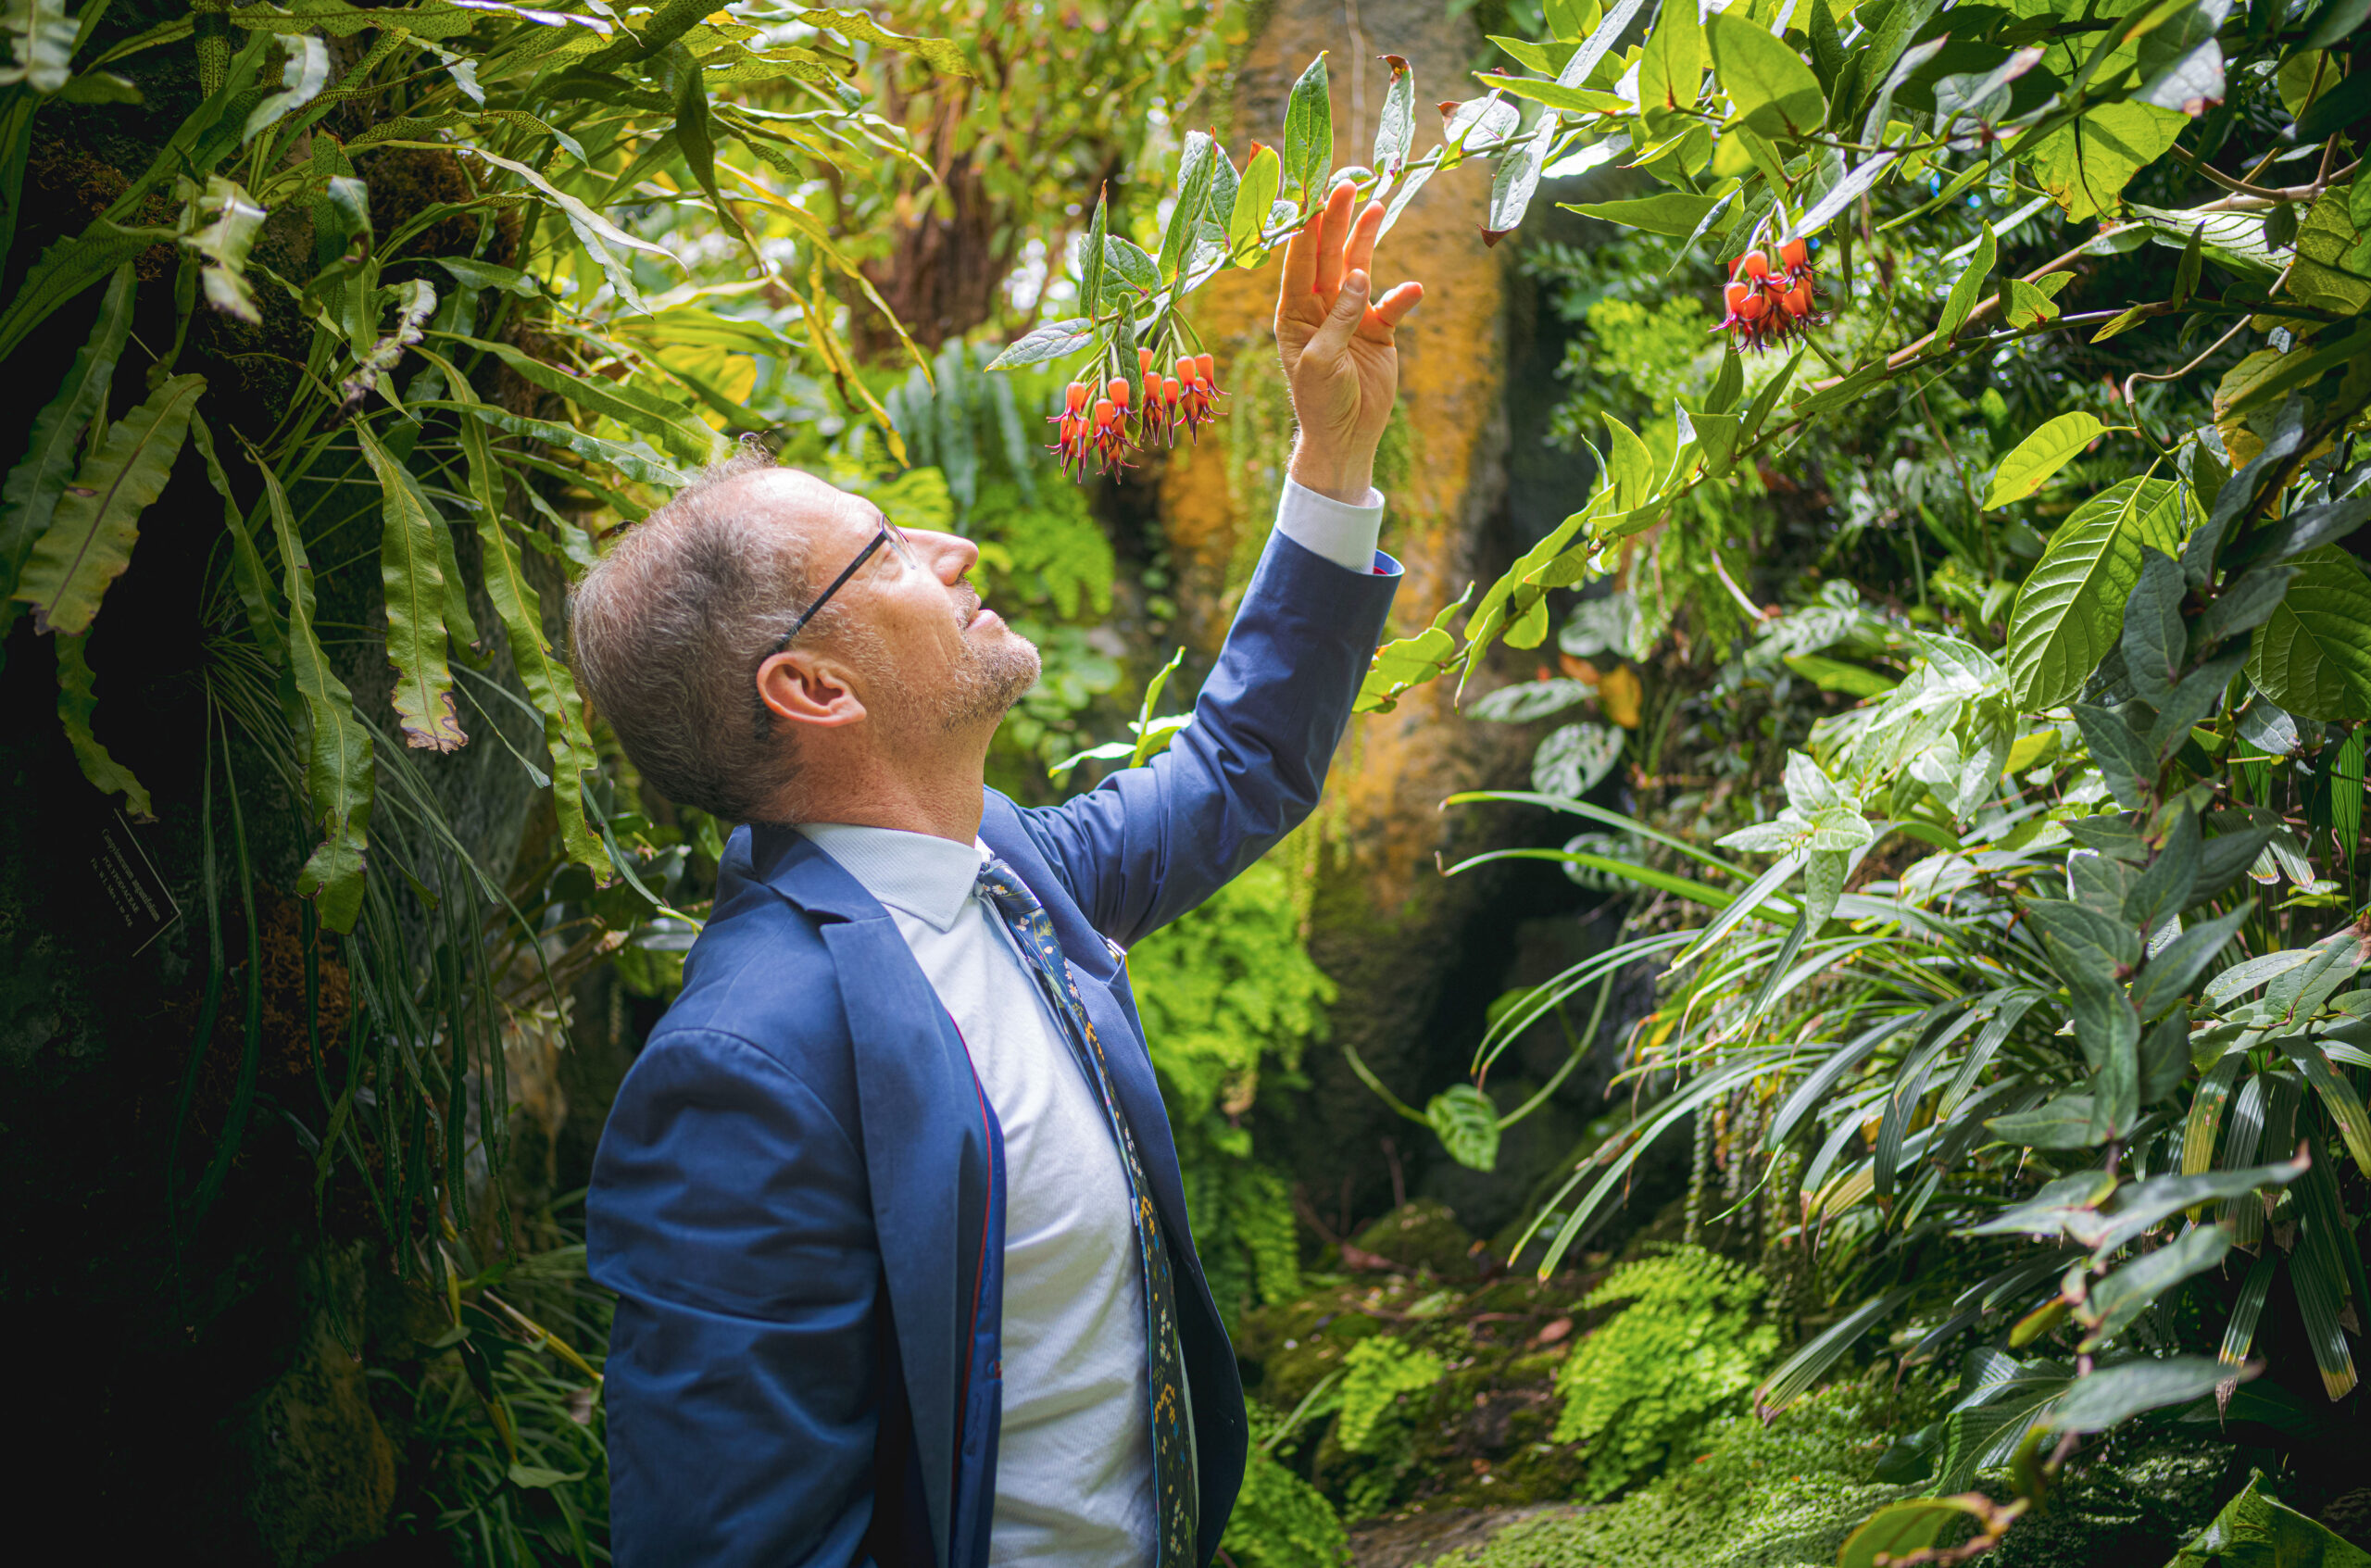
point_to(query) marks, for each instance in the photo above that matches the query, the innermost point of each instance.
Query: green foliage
(1638, 1386)
(1742, 1495)
(1375, 1375)
(508, 1419)
(1280, 1520)
(2256, 1531)
(1227, 994)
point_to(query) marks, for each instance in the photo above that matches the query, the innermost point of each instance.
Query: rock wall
(1407, 946)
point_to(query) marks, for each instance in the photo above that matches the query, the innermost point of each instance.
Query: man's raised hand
(1339, 361)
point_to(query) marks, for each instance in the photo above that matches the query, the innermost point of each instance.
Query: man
(888, 1199)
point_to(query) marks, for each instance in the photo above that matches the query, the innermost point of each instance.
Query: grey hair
(668, 631)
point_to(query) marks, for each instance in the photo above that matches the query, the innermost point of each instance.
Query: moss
(1424, 1234)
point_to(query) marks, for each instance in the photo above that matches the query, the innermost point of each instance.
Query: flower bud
(1144, 361)
(1171, 390)
(1756, 265)
(1795, 254)
(1104, 412)
(1734, 294)
(1754, 306)
(1074, 396)
(1205, 367)
(1118, 391)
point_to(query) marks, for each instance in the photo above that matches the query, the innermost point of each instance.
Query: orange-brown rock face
(1385, 924)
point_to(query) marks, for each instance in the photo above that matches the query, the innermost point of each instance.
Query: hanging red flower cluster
(1766, 304)
(1095, 416)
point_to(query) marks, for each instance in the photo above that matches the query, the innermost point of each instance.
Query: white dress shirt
(1074, 1483)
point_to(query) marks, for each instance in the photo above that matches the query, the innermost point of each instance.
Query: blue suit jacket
(800, 1195)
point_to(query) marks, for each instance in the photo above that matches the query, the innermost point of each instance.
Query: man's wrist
(1339, 476)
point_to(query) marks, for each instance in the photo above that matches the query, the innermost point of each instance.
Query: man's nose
(949, 556)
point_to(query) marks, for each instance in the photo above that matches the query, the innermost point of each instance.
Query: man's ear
(809, 690)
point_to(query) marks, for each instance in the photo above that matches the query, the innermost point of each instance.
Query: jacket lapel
(926, 1134)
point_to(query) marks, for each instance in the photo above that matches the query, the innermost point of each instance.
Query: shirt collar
(927, 876)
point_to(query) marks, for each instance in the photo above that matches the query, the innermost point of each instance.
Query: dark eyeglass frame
(889, 534)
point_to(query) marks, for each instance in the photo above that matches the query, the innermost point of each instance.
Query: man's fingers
(1336, 231)
(1359, 255)
(1300, 264)
(1332, 339)
(1393, 308)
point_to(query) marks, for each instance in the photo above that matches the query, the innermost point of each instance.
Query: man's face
(925, 653)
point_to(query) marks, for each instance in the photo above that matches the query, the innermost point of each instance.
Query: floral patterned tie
(1177, 1497)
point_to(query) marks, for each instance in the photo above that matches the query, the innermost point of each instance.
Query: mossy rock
(1422, 1234)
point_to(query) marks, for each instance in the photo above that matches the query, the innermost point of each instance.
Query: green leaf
(2154, 639)
(638, 409)
(1196, 168)
(1395, 128)
(248, 574)
(2069, 1197)
(1834, 675)
(2112, 1303)
(1467, 1125)
(2125, 759)
(96, 521)
(635, 464)
(1572, 760)
(1092, 260)
(77, 699)
(28, 499)
(2144, 1205)
(1053, 341)
(1521, 701)
(1253, 197)
(2030, 464)
(2339, 1098)
(2313, 654)
(1773, 92)
(2116, 1394)
(1309, 132)
(2065, 1123)
(2084, 166)
(340, 762)
(1900, 1529)
(1795, 1375)
(1517, 179)
(414, 585)
(2255, 1531)
(2068, 613)
(2177, 965)
(1675, 213)
(594, 231)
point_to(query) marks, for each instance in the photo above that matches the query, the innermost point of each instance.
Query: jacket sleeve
(741, 1371)
(1148, 843)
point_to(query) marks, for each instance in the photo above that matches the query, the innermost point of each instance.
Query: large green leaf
(549, 684)
(635, 408)
(2114, 1302)
(2313, 655)
(1253, 196)
(340, 761)
(29, 498)
(1309, 132)
(89, 540)
(2084, 166)
(1675, 213)
(2030, 464)
(2118, 1392)
(77, 699)
(414, 584)
(1775, 91)
(2255, 1531)
(2069, 611)
(1899, 1530)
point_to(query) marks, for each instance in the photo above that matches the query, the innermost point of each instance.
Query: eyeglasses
(889, 534)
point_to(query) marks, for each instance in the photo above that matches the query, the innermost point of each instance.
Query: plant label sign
(128, 884)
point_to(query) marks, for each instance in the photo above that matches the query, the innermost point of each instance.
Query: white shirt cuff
(1343, 533)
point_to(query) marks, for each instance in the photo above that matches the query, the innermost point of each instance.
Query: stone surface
(1404, 944)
